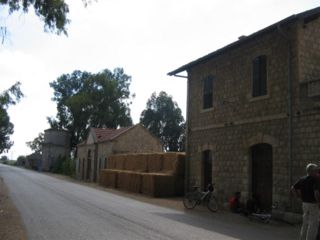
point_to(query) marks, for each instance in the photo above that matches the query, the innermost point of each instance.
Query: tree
(52, 12)
(36, 144)
(91, 100)
(7, 98)
(163, 118)
(21, 160)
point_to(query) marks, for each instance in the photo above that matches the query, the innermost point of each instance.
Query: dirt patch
(11, 226)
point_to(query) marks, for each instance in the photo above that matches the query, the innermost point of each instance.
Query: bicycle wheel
(189, 201)
(212, 204)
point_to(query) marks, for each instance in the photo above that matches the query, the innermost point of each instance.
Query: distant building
(102, 142)
(56, 145)
(254, 112)
(33, 161)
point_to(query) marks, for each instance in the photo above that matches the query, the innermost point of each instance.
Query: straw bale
(179, 186)
(158, 184)
(169, 162)
(120, 161)
(134, 182)
(147, 186)
(154, 162)
(111, 162)
(108, 178)
(122, 179)
(136, 162)
(180, 167)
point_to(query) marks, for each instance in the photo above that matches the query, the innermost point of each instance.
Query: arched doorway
(206, 168)
(261, 156)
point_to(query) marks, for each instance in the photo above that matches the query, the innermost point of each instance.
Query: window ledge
(207, 110)
(253, 99)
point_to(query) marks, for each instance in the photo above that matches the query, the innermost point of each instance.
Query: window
(259, 76)
(208, 92)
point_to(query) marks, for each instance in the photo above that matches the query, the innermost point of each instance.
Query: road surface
(54, 209)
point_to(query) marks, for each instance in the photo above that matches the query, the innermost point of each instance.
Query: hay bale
(136, 162)
(134, 182)
(122, 179)
(111, 162)
(120, 161)
(102, 178)
(147, 185)
(179, 186)
(154, 162)
(108, 178)
(180, 166)
(169, 162)
(158, 184)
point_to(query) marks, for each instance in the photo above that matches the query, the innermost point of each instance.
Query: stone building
(102, 142)
(34, 161)
(55, 147)
(253, 112)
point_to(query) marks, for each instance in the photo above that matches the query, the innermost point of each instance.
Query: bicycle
(196, 197)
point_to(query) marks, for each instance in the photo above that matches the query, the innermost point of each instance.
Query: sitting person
(234, 203)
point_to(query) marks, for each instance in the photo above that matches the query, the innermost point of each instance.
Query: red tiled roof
(108, 134)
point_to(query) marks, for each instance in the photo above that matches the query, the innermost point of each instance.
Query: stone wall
(237, 121)
(137, 140)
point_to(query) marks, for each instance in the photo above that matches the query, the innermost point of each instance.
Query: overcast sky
(147, 38)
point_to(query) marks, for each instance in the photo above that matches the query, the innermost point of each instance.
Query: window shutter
(259, 76)
(208, 92)
(263, 75)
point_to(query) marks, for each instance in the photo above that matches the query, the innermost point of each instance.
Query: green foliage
(36, 144)
(52, 12)
(4, 159)
(7, 98)
(21, 160)
(91, 100)
(65, 166)
(7, 161)
(163, 118)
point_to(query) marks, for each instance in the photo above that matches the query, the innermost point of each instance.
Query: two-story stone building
(253, 112)
(101, 143)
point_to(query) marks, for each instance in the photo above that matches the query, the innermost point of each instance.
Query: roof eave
(288, 20)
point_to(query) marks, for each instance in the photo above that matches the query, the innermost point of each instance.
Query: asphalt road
(56, 209)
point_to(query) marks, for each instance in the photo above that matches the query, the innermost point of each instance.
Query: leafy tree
(163, 118)
(91, 100)
(21, 160)
(52, 12)
(4, 159)
(7, 98)
(36, 144)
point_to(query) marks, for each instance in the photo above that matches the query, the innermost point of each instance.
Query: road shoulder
(11, 225)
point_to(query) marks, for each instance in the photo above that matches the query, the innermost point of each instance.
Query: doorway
(206, 169)
(261, 156)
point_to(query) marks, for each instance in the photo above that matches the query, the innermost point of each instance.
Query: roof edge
(288, 20)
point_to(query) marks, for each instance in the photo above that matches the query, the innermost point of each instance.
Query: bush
(65, 166)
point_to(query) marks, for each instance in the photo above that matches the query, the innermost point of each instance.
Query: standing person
(307, 189)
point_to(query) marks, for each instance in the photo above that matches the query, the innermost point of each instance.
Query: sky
(147, 38)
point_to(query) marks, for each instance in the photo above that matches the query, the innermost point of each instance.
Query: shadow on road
(234, 226)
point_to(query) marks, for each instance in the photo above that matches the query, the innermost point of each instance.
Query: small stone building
(102, 142)
(34, 161)
(55, 147)
(253, 112)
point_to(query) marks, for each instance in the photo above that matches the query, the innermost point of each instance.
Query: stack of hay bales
(154, 174)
